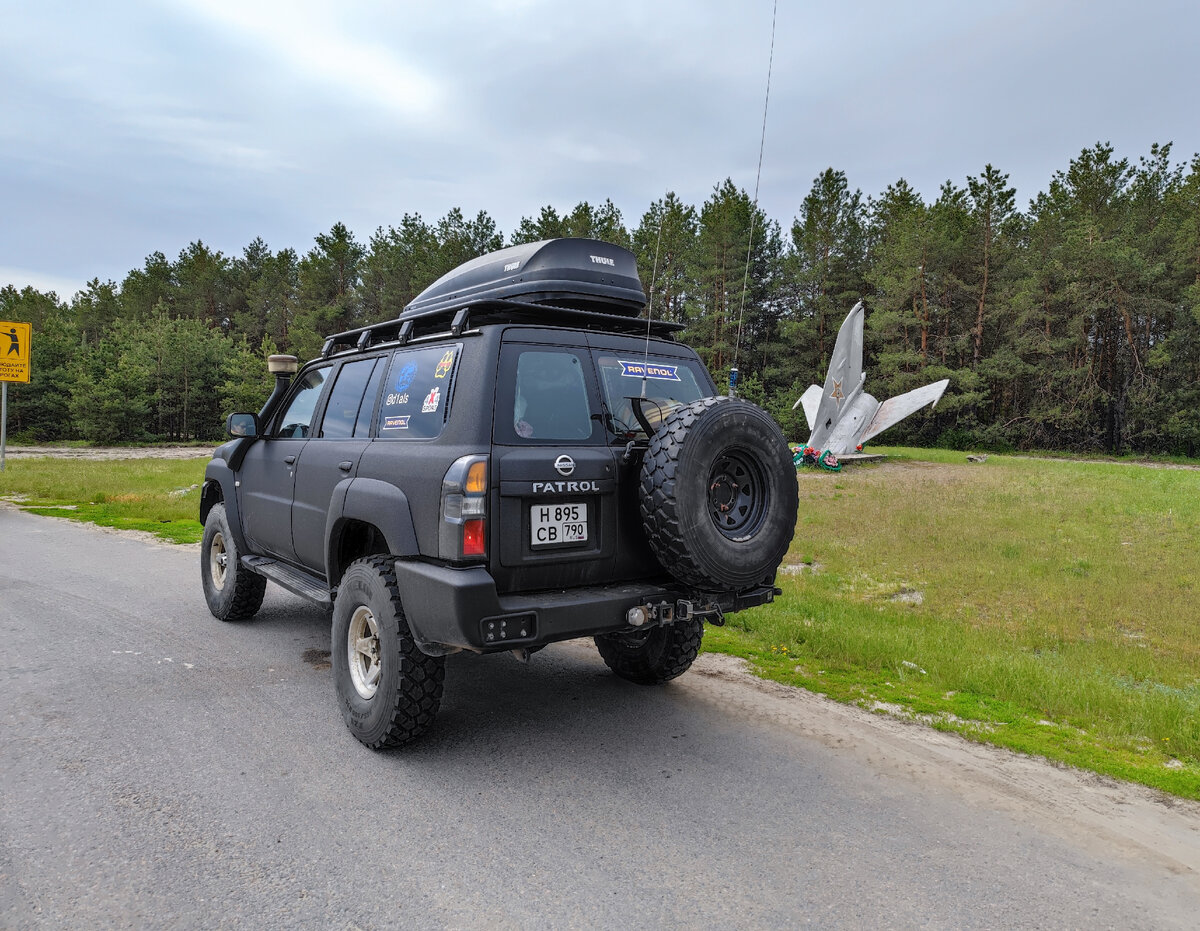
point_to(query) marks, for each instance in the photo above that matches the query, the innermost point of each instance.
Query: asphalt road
(161, 769)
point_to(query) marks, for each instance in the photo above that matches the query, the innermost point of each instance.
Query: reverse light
(463, 533)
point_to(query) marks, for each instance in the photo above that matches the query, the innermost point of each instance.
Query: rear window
(416, 393)
(665, 383)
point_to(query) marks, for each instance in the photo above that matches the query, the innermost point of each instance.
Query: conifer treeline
(1072, 325)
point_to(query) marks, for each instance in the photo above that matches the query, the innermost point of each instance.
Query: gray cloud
(141, 126)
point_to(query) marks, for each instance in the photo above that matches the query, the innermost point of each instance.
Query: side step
(296, 581)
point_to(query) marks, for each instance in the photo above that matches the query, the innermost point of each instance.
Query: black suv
(517, 459)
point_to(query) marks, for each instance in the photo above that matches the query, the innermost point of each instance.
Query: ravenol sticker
(396, 423)
(405, 376)
(656, 370)
(430, 404)
(444, 364)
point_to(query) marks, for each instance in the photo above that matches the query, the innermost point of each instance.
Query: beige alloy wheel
(218, 560)
(362, 648)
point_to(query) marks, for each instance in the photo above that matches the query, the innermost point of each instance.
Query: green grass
(1046, 606)
(154, 495)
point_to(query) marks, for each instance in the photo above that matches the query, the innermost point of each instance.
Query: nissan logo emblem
(564, 465)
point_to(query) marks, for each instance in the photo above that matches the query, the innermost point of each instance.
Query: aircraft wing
(811, 399)
(893, 410)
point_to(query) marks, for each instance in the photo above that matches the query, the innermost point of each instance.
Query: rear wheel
(654, 656)
(232, 591)
(388, 690)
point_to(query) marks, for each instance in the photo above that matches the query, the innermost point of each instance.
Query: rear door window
(664, 383)
(416, 393)
(343, 411)
(546, 395)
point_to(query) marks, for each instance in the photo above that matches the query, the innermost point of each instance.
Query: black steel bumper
(452, 609)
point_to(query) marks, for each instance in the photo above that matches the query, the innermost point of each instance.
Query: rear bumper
(459, 609)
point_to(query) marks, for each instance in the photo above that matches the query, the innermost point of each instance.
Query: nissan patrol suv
(517, 459)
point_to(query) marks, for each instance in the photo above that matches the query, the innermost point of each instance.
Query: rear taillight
(464, 510)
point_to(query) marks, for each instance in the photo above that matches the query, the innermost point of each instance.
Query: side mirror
(242, 425)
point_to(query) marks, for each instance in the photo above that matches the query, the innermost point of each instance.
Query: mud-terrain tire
(718, 494)
(654, 656)
(232, 591)
(388, 690)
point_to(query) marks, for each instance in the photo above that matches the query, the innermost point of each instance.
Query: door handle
(346, 466)
(289, 459)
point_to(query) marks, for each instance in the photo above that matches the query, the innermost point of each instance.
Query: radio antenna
(754, 211)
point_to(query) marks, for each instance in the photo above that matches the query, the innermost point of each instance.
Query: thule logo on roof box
(603, 260)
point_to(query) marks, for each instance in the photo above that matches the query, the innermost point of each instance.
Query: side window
(297, 418)
(346, 399)
(416, 393)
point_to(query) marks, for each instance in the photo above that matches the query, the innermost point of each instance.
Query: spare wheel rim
(737, 494)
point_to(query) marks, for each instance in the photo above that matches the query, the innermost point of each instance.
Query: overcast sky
(134, 126)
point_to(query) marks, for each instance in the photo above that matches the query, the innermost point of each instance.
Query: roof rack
(493, 310)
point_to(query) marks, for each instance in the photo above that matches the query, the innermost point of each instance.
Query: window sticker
(655, 370)
(395, 400)
(432, 400)
(444, 364)
(404, 378)
(396, 423)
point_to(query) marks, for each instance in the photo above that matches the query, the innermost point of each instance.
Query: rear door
(332, 455)
(555, 503)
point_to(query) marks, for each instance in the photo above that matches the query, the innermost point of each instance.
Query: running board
(296, 581)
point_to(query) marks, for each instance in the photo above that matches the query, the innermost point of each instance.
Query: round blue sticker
(405, 376)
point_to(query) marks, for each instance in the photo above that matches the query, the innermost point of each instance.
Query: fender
(218, 473)
(373, 502)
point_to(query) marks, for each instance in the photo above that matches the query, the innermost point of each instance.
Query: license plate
(556, 524)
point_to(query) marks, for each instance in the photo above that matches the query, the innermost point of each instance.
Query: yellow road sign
(14, 351)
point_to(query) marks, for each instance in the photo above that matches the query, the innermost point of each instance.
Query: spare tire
(718, 494)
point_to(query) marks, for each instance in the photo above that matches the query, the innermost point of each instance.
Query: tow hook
(666, 613)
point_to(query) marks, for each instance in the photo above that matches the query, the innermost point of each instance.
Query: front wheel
(388, 690)
(232, 591)
(654, 656)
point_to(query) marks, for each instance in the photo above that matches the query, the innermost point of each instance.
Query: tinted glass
(551, 400)
(362, 427)
(297, 419)
(346, 399)
(416, 393)
(667, 383)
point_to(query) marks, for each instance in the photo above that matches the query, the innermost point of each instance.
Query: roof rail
(494, 310)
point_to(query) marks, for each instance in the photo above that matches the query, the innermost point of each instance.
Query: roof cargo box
(583, 274)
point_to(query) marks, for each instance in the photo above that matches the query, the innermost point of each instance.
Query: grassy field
(1047, 606)
(155, 495)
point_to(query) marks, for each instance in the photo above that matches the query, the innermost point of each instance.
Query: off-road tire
(232, 591)
(718, 494)
(408, 687)
(655, 656)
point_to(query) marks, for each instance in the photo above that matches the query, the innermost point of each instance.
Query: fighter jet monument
(842, 416)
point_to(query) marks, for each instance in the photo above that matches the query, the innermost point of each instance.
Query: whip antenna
(754, 210)
(650, 310)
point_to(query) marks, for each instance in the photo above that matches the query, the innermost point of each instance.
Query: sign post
(15, 339)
